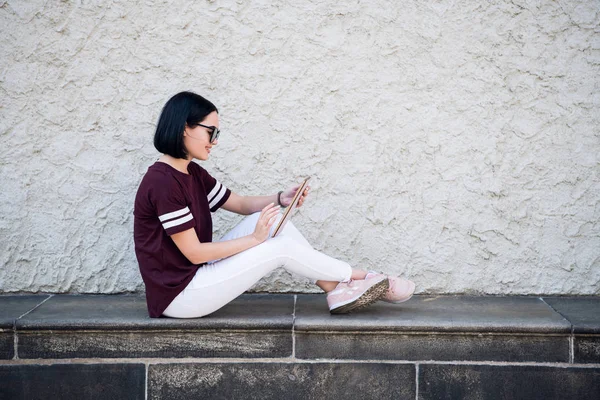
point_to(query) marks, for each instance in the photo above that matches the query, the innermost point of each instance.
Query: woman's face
(197, 139)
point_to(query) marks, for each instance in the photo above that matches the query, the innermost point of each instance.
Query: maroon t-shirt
(169, 201)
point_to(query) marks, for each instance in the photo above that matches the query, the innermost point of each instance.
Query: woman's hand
(288, 195)
(265, 222)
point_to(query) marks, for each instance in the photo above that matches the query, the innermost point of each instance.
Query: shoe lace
(392, 286)
(348, 284)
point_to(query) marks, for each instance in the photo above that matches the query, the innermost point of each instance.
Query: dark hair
(184, 107)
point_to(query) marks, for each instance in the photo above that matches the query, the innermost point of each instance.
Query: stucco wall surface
(453, 142)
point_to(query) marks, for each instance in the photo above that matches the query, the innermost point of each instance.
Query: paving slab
(586, 349)
(442, 328)
(491, 382)
(431, 347)
(582, 312)
(109, 312)
(73, 381)
(88, 326)
(435, 313)
(584, 315)
(282, 381)
(13, 306)
(7, 345)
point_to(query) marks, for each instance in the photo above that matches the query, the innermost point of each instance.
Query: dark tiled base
(80, 381)
(73, 344)
(281, 380)
(7, 345)
(586, 349)
(442, 347)
(507, 382)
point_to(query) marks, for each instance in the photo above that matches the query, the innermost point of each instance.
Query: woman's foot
(399, 290)
(356, 294)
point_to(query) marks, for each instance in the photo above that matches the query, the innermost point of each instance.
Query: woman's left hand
(288, 195)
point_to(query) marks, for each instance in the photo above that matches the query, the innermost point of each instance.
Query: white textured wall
(456, 142)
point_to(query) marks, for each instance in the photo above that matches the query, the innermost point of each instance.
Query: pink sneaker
(356, 294)
(399, 290)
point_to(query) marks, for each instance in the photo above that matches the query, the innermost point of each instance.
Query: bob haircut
(183, 108)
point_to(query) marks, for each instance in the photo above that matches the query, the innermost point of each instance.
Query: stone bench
(286, 345)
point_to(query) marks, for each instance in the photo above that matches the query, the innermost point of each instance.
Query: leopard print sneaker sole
(374, 293)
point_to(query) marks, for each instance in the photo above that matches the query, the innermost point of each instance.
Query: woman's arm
(253, 204)
(187, 242)
(246, 205)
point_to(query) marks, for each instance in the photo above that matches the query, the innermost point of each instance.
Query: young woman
(186, 274)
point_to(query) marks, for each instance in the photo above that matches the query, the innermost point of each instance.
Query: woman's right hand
(267, 218)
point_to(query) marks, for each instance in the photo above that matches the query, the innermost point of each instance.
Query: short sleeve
(172, 209)
(217, 193)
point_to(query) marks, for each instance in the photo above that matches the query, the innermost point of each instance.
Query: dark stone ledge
(582, 312)
(435, 314)
(260, 325)
(165, 344)
(507, 382)
(128, 312)
(73, 381)
(281, 381)
(439, 347)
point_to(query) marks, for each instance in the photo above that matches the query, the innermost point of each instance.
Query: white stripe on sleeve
(174, 214)
(214, 190)
(179, 221)
(218, 197)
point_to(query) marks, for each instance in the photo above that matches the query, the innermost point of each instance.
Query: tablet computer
(288, 211)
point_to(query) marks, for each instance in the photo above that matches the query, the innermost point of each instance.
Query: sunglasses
(214, 132)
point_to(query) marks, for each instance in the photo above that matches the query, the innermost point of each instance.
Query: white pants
(220, 281)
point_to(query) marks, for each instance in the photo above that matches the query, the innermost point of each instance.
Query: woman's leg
(216, 284)
(327, 286)
(247, 225)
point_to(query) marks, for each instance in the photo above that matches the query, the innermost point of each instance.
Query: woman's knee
(280, 245)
